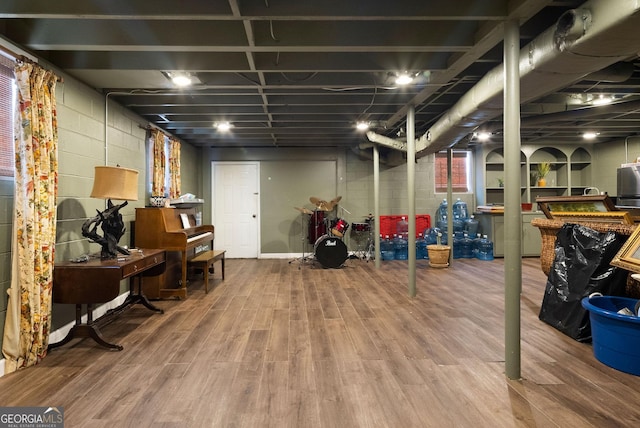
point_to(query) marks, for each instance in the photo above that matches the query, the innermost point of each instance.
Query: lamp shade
(114, 182)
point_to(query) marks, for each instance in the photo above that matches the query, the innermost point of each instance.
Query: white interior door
(235, 208)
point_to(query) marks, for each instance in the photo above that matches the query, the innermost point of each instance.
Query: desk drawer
(133, 268)
(156, 260)
(141, 265)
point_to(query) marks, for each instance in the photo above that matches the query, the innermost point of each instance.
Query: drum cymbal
(324, 206)
(335, 200)
(304, 210)
(320, 204)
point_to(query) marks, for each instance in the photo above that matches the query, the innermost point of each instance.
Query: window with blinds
(460, 171)
(7, 99)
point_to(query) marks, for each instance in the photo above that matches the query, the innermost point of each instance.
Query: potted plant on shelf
(543, 170)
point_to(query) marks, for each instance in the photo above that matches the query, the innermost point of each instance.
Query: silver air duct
(582, 42)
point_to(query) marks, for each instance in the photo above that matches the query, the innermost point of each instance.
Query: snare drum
(339, 227)
(360, 227)
(330, 251)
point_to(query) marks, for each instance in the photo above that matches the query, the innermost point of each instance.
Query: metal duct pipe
(615, 73)
(576, 114)
(555, 59)
(571, 26)
(386, 141)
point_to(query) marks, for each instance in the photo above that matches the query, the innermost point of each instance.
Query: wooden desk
(98, 281)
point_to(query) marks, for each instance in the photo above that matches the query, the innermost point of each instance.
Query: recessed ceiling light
(181, 79)
(223, 126)
(602, 100)
(482, 136)
(362, 126)
(590, 135)
(404, 79)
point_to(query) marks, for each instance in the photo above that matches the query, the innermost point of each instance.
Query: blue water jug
(421, 248)
(467, 247)
(444, 239)
(443, 224)
(485, 249)
(460, 210)
(431, 235)
(457, 247)
(402, 228)
(441, 214)
(400, 248)
(471, 226)
(387, 251)
(476, 244)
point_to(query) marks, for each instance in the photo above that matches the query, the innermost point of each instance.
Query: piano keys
(164, 228)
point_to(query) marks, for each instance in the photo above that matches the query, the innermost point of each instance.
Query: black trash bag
(580, 267)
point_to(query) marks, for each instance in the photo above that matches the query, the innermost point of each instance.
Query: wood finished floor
(278, 346)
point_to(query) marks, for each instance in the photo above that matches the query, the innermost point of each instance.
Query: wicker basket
(549, 229)
(438, 255)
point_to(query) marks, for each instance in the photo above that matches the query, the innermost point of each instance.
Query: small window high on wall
(7, 102)
(460, 171)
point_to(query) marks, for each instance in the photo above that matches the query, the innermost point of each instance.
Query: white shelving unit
(570, 172)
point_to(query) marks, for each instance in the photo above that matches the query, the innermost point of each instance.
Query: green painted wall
(81, 146)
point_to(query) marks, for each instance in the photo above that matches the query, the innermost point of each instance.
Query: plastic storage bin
(615, 337)
(389, 223)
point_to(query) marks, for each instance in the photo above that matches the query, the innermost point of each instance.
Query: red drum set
(326, 232)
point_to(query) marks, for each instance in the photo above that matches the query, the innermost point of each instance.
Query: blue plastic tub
(615, 337)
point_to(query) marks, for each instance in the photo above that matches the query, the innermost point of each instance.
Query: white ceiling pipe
(386, 141)
(582, 42)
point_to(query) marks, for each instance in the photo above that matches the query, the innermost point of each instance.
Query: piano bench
(205, 261)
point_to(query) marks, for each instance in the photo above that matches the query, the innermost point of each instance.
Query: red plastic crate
(389, 223)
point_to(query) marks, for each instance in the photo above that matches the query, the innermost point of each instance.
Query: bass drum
(330, 251)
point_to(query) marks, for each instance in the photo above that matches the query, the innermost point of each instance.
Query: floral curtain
(28, 317)
(174, 168)
(157, 185)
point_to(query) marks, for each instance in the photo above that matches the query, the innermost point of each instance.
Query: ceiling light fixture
(590, 135)
(223, 126)
(181, 79)
(482, 136)
(404, 79)
(362, 126)
(602, 100)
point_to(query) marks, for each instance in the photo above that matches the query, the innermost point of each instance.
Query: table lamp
(111, 182)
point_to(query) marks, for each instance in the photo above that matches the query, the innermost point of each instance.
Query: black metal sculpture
(112, 227)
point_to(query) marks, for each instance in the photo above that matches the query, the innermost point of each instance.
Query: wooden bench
(205, 261)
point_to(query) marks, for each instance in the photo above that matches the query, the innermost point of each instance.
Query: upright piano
(174, 230)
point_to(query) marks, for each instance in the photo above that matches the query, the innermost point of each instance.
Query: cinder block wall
(81, 116)
(81, 130)
(394, 194)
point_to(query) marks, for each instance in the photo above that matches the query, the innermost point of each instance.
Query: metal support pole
(376, 203)
(450, 204)
(512, 200)
(411, 187)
